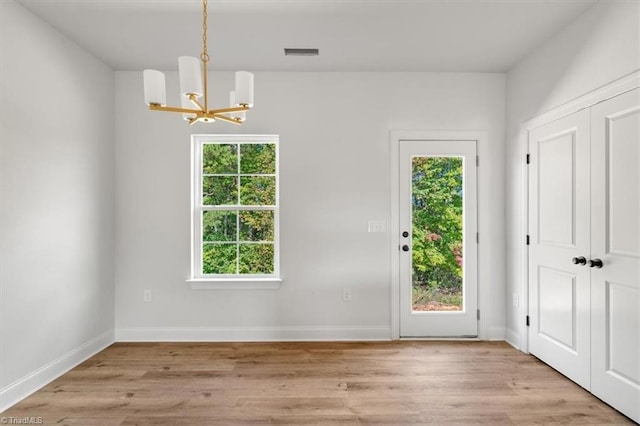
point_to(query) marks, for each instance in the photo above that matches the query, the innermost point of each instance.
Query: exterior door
(438, 248)
(615, 240)
(559, 291)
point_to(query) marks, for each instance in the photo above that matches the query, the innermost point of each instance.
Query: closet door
(615, 240)
(559, 332)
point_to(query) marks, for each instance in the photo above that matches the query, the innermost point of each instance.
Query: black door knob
(579, 260)
(595, 263)
(405, 234)
(405, 248)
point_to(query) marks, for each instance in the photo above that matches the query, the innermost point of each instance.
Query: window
(235, 208)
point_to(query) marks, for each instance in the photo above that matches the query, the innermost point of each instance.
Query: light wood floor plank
(341, 383)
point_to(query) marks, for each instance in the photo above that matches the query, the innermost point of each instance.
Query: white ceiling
(352, 35)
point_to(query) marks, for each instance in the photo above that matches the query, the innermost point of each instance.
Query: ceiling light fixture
(193, 86)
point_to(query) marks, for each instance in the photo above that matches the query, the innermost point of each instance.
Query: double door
(584, 254)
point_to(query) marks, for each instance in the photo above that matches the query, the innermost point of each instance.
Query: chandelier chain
(205, 54)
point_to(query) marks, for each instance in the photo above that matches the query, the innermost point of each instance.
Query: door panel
(557, 307)
(622, 176)
(621, 311)
(556, 206)
(438, 225)
(615, 239)
(559, 332)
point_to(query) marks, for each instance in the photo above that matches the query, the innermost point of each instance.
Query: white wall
(334, 159)
(599, 47)
(56, 215)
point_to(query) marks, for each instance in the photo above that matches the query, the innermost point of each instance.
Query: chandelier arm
(227, 119)
(153, 107)
(194, 100)
(227, 110)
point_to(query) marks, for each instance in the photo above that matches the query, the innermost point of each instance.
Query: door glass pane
(437, 243)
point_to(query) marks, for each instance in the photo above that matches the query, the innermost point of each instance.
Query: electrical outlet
(147, 295)
(346, 295)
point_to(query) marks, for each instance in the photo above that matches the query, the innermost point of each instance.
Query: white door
(615, 240)
(438, 248)
(559, 292)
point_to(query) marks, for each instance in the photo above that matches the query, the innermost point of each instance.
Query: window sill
(235, 283)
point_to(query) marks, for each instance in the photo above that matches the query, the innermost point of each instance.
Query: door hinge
(478, 314)
(477, 161)
(478, 237)
(528, 159)
(528, 240)
(527, 320)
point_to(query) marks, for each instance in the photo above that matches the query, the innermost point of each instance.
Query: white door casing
(615, 239)
(438, 324)
(559, 292)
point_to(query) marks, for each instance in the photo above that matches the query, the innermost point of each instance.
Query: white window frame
(198, 280)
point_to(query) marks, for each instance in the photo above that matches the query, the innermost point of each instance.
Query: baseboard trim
(495, 333)
(513, 338)
(20, 389)
(250, 334)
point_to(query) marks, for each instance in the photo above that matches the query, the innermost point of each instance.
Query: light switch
(376, 226)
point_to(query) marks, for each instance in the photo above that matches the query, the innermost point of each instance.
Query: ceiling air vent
(300, 52)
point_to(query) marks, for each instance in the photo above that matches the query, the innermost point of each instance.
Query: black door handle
(579, 260)
(595, 263)
(405, 248)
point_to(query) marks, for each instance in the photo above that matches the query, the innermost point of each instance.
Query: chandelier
(193, 89)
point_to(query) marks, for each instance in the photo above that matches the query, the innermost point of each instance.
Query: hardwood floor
(395, 383)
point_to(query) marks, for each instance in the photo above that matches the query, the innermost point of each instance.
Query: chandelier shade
(244, 88)
(190, 76)
(155, 92)
(194, 101)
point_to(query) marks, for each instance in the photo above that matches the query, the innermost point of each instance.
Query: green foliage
(258, 158)
(219, 190)
(256, 225)
(221, 258)
(219, 158)
(223, 185)
(257, 190)
(219, 226)
(218, 258)
(256, 258)
(437, 224)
